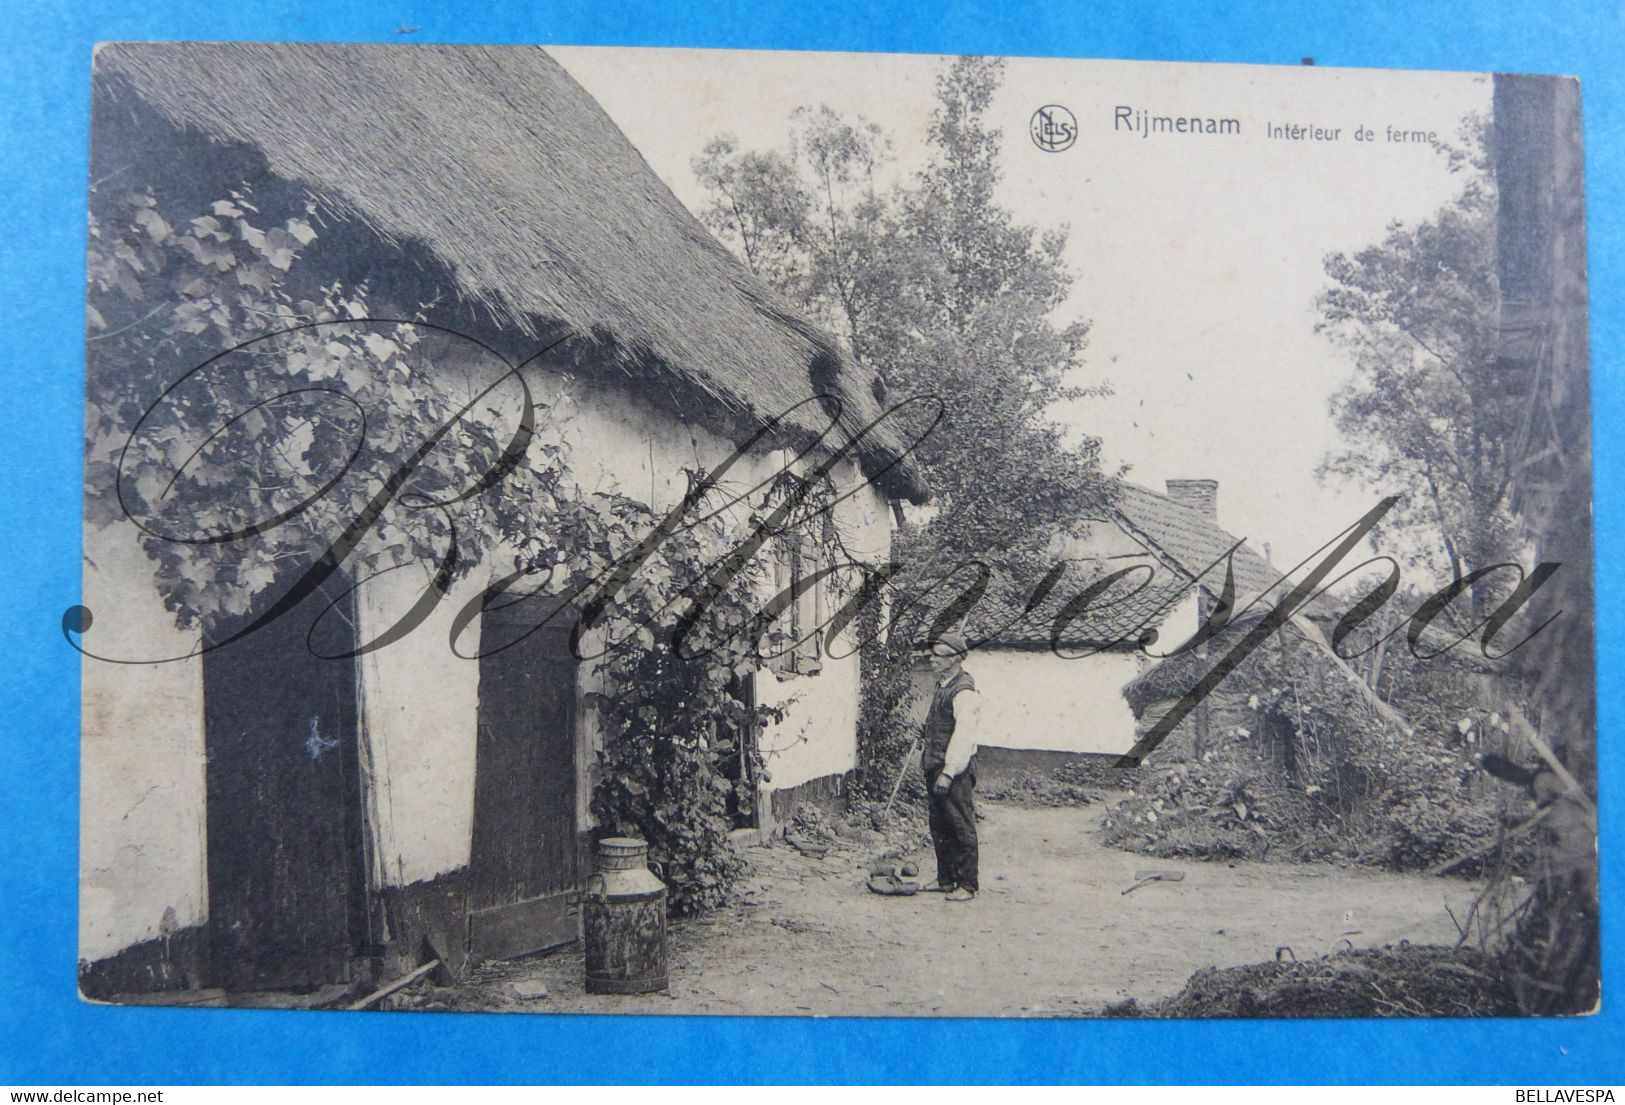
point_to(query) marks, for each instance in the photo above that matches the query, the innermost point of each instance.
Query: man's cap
(952, 642)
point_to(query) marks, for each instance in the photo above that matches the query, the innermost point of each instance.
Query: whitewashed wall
(141, 789)
(420, 707)
(1033, 699)
(819, 734)
(1037, 700)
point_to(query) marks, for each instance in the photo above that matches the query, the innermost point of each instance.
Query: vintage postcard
(670, 531)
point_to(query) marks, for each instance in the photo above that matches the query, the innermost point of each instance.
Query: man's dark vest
(939, 722)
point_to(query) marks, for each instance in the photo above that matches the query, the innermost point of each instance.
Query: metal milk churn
(624, 918)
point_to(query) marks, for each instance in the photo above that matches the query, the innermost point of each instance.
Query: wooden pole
(399, 984)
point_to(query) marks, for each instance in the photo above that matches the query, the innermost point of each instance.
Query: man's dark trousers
(953, 832)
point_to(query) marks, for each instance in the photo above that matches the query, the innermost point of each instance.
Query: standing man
(950, 775)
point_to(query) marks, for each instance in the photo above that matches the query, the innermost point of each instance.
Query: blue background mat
(48, 1037)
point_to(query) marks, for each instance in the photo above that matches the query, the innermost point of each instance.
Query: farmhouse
(256, 817)
(1055, 690)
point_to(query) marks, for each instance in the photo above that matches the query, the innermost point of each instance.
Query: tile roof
(1117, 615)
(1182, 544)
(1193, 542)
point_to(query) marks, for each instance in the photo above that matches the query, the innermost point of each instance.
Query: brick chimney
(1199, 495)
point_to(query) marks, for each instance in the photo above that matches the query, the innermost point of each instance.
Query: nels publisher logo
(1053, 128)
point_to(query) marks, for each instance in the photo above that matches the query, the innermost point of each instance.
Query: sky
(1197, 257)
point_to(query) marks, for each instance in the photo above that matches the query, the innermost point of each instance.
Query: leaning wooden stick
(901, 771)
(399, 984)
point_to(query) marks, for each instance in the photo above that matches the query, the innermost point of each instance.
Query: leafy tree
(1428, 411)
(759, 204)
(944, 292)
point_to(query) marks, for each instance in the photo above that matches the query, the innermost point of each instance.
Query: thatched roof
(521, 186)
(1173, 677)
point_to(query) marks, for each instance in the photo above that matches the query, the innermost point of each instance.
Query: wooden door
(524, 863)
(287, 891)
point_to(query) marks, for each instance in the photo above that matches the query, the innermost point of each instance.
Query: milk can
(624, 910)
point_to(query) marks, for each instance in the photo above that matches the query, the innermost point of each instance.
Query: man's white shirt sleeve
(967, 723)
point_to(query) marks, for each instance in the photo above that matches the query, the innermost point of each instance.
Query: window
(801, 650)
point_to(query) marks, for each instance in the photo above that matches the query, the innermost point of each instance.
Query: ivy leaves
(244, 426)
(674, 715)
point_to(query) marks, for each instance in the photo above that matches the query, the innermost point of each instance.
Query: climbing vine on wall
(249, 418)
(673, 706)
(245, 415)
(886, 730)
